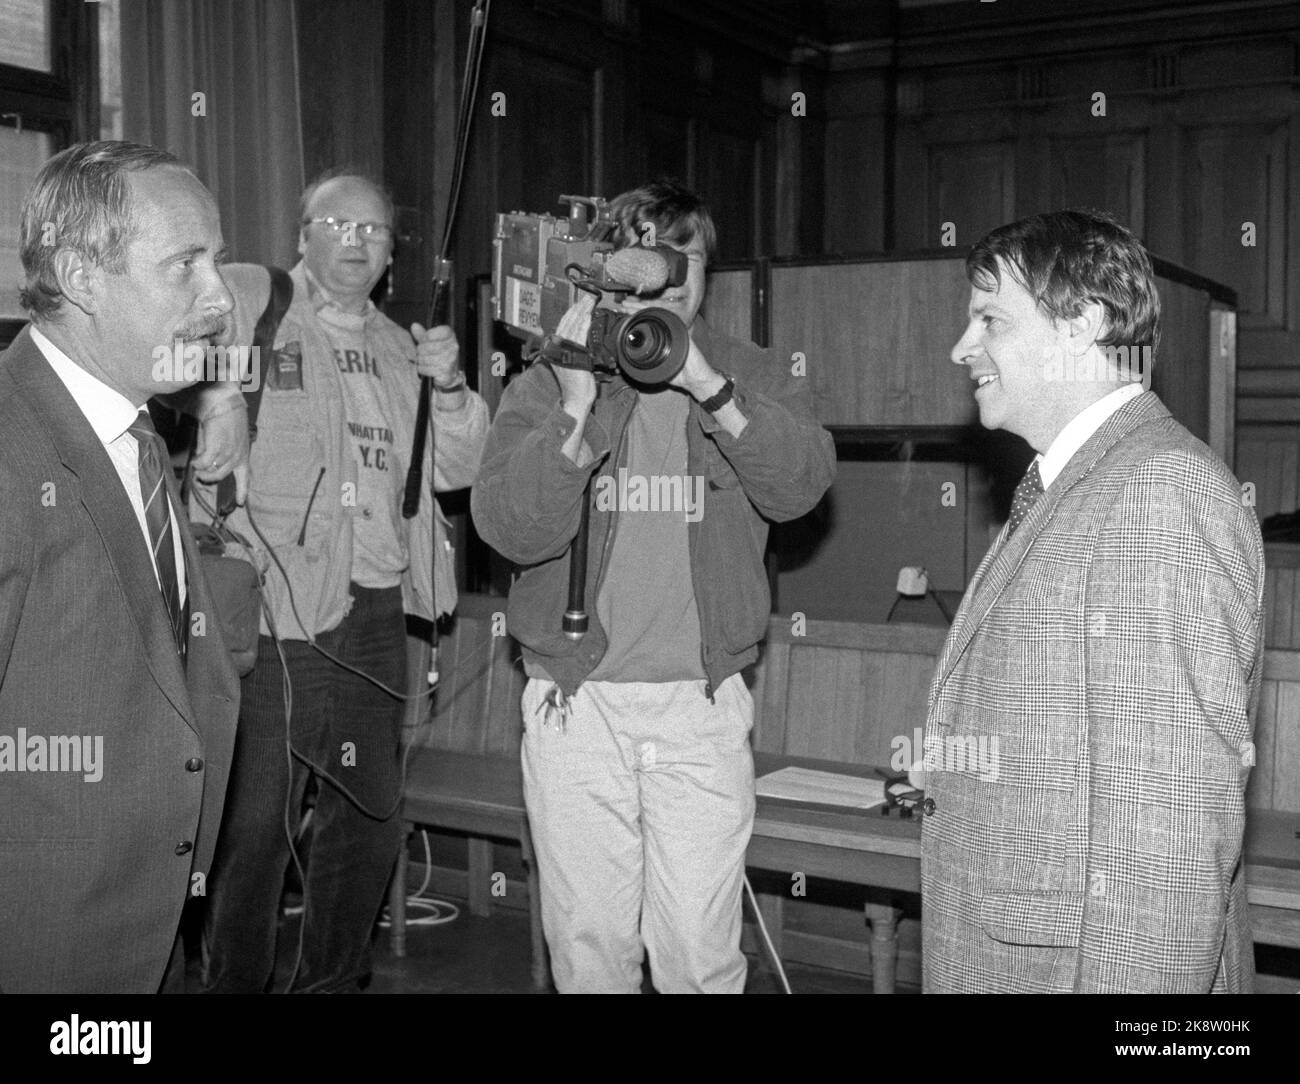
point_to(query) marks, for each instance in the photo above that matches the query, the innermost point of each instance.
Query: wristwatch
(721, 397)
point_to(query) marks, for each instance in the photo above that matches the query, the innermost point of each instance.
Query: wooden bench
(833, 691)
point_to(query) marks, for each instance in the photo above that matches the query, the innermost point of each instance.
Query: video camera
(541, 263)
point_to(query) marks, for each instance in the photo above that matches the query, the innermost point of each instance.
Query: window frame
(63, 101)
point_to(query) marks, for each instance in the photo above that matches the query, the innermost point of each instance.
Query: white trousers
(641, 804)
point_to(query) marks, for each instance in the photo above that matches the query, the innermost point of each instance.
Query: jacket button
(184, 847)
(194, 764)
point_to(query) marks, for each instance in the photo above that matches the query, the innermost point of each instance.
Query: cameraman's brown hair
(678, 215)
(1065, 259)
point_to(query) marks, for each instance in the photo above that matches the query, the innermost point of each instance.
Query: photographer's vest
(306, 491)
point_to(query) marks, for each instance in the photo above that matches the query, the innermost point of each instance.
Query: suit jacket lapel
(1007, 554)
(101, 492)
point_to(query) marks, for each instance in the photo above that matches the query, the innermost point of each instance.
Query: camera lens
(651, 345)
(643, 344)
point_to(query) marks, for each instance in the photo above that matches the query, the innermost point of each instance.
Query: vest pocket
(285, 461)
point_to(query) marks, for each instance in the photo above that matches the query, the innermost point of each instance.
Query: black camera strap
(263, 342)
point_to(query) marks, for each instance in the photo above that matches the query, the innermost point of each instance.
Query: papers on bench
(821, 788)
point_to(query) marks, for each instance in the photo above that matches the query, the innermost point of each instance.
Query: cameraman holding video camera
(638, 775)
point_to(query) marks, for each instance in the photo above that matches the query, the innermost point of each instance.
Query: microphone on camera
(642, 269)
(647, 270)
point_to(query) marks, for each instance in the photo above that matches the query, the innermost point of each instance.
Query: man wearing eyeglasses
(327, 471)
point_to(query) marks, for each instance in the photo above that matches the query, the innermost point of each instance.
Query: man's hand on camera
(701, 381)
(577, 386)
(697, 377)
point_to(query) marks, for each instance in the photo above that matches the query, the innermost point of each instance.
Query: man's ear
(1085, 328)
(80, 280)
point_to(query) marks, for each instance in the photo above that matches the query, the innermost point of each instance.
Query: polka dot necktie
(158, 518)
(1031, 485)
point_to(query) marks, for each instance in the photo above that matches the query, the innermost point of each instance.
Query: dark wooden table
(854, 846)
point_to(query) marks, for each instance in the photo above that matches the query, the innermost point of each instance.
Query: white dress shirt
(110, 414)
(1079, 428)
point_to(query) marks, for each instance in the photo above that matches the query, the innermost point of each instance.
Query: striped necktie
(1028, 491)
(158, 518)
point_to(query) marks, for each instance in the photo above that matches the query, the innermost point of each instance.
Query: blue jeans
(349, 728)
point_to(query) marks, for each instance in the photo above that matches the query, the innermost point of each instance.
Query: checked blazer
(1113, 649)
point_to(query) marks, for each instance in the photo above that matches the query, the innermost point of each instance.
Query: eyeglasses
(371, 231)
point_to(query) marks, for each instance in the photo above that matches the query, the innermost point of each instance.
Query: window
(25, 35)
(49, 98)
(22, 153)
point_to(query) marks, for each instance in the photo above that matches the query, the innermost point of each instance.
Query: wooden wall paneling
(877, 337)
(870, 738)
(1259, 787)
(505, 690)
(1237, 174)
(787, 146)
(727, 174)
(852, 686)
(900, 707)
(1267, 458)
(729, 302)
(1287, 456)
(1033, 170)
(666, 144)
(1280, 608)
(1279, 725)
(973, 186)
(1101, 172)
(798, 159)
(843, 690)
(1165, 174)
(769, 684)
(1292, 264)
(1223, 382)
(481, 681)
(1181, 372)
(909, 212)
(1282, 595)
(859, 156)
(717, 84)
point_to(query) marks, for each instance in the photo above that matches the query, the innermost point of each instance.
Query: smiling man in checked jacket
(1110, 644)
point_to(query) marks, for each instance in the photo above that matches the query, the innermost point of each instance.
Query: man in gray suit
(1109, 647)
(117, 696)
